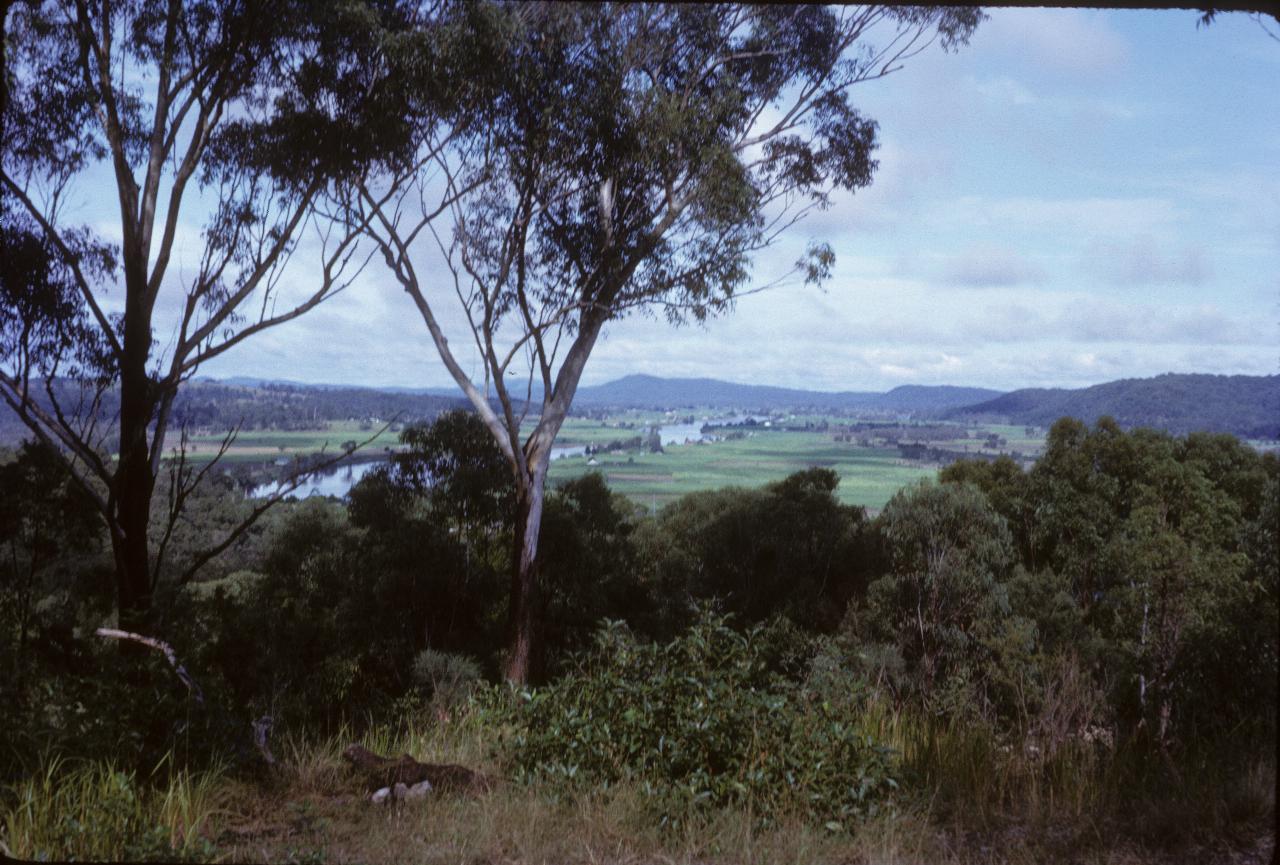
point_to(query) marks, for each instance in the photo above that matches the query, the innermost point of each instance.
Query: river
(337, 481)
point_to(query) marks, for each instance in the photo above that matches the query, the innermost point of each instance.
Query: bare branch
(162, 647)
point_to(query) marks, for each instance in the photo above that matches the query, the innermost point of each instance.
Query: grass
(869, 476)
(93, 811)
(966, 798)
(260, 445)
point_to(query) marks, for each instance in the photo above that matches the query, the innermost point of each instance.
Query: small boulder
(418, 791)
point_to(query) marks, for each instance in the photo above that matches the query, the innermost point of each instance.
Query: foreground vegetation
(1075, 662)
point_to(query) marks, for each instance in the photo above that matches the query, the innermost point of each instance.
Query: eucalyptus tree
(624, 158)
(131, 107)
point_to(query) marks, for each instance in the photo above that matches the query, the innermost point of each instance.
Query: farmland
(870, 472)
(256, 446)
(870, 463)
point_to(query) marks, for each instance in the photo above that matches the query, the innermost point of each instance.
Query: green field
(869, 475)
(262, 445)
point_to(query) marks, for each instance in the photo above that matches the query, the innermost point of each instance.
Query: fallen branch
(385, 772)
(159, 646)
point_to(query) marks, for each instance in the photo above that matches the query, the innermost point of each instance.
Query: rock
(419, 790)
(401, 791)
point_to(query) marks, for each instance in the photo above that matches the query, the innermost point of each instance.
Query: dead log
(162, 647)
(381, 772)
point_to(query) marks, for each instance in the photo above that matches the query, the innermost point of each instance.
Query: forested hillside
(647, 391)
(217, 406)
(1242, 405)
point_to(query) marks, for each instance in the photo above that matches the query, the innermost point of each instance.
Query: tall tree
(627, 157)
(264, 106)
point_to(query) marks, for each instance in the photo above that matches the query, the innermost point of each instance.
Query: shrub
(446, 677)
(704, 720)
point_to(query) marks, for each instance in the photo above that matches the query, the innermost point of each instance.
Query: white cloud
(1070, 42)
(1057, 217)
(1002, 92)
(1141, 260)
(986, 265)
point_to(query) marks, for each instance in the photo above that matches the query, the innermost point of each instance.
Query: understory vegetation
(1073, 662)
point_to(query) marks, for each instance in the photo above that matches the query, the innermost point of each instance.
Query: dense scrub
(710, 719)
(1089, 644)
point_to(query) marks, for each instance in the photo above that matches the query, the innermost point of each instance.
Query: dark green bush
(704, 720)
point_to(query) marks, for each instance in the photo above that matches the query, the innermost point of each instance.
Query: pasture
(263, 445)
(869, 473)
(871, 469)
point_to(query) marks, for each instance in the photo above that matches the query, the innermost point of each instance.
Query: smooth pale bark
(521, 620)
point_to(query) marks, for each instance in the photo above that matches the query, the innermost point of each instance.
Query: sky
(1076, 196)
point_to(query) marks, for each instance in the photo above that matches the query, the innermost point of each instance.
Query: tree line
(1126, 584)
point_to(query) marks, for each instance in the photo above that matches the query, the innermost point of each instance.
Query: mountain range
(1246, 406)
(647, 391)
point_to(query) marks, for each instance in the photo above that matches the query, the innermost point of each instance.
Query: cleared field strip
(870, 475)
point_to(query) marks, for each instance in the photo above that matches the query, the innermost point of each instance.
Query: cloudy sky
(1075, 197)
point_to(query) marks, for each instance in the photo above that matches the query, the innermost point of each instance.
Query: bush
(447, 678)
(704, 720)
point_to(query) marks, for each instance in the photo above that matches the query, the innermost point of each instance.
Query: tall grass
(76, 811)
(967, 774)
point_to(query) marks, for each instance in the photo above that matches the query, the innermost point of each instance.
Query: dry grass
(966, 800)
(981, 804)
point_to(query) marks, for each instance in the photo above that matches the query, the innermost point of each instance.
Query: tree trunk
(133, 482)
(522, 619)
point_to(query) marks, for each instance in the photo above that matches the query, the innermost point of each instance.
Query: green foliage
(789, 549)
(1152, 560)
(943, 601)
(589, 564)
(447, 678)
(704, 720)
(454, 462)
(330, 629)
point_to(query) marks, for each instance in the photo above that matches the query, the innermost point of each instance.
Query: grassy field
(870, 474)
(262, 445)
(968, 804)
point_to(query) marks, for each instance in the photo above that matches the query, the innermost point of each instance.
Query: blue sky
(1075, 197)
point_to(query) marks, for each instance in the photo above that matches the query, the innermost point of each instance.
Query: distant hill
(257, 404)
(647, 391)
(1247, 406)
(932, 398)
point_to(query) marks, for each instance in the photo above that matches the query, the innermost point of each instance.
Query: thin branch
(159, 646)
